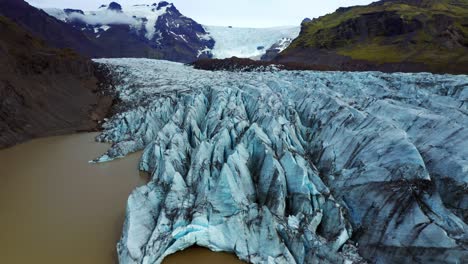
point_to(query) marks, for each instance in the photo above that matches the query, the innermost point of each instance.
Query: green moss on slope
(432, 32)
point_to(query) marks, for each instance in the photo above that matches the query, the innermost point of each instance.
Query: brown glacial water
(55, 207)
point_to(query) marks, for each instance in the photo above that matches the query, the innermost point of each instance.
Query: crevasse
(293, 167)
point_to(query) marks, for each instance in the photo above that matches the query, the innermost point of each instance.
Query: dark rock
(69, 11)
(270, 54)
(45, 91)
(162, 4)
(121, 41)
(181, 43)
(275, 49)
(115, 7)
(248, 65)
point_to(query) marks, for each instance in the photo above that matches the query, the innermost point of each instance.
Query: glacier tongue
(249, 42)
(287, 167)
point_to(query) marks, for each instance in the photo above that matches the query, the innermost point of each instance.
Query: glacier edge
(287, 167)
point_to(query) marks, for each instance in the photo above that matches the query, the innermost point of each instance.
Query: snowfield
(248, 42)
(286, 167)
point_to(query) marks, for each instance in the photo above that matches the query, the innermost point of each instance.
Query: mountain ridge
(56, 33)
(390, 35)
(157, 31)
(149, 24)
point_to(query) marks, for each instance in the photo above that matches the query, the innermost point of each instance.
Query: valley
(136, 133)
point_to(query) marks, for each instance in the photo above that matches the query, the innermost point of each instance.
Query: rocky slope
(44, 91)
(54, 32)
(390, 35)
(293, 167)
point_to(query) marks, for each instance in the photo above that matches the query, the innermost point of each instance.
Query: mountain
(156, 31)
(160, 31)
(56, 33)
(45, 91)
(390, 35)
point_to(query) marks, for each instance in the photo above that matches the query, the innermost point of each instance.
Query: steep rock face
(182, 36)
(392, 35)
(288, 166)
(152, 31)
(44, 91)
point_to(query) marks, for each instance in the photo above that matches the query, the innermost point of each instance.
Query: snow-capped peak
(153, 26)
(161, 24)
(142, 16)
(147, 16)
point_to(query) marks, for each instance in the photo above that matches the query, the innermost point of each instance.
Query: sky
(238, 13)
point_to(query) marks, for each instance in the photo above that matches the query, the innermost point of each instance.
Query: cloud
(104, 18)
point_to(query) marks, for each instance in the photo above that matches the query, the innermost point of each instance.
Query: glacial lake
(55, 207)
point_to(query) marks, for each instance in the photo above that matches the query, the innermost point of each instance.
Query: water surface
(55, 207)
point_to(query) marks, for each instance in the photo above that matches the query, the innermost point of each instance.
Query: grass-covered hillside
(408, 35)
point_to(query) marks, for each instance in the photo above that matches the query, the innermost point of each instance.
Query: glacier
(249, 42)
(293, 166)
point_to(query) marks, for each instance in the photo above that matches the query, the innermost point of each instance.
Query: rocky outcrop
(45, 91)
(401, 35)
(181, 38)
(115, 7)
(293, 167)
(276, 49)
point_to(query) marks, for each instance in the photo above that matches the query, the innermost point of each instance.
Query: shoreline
(59, 208)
